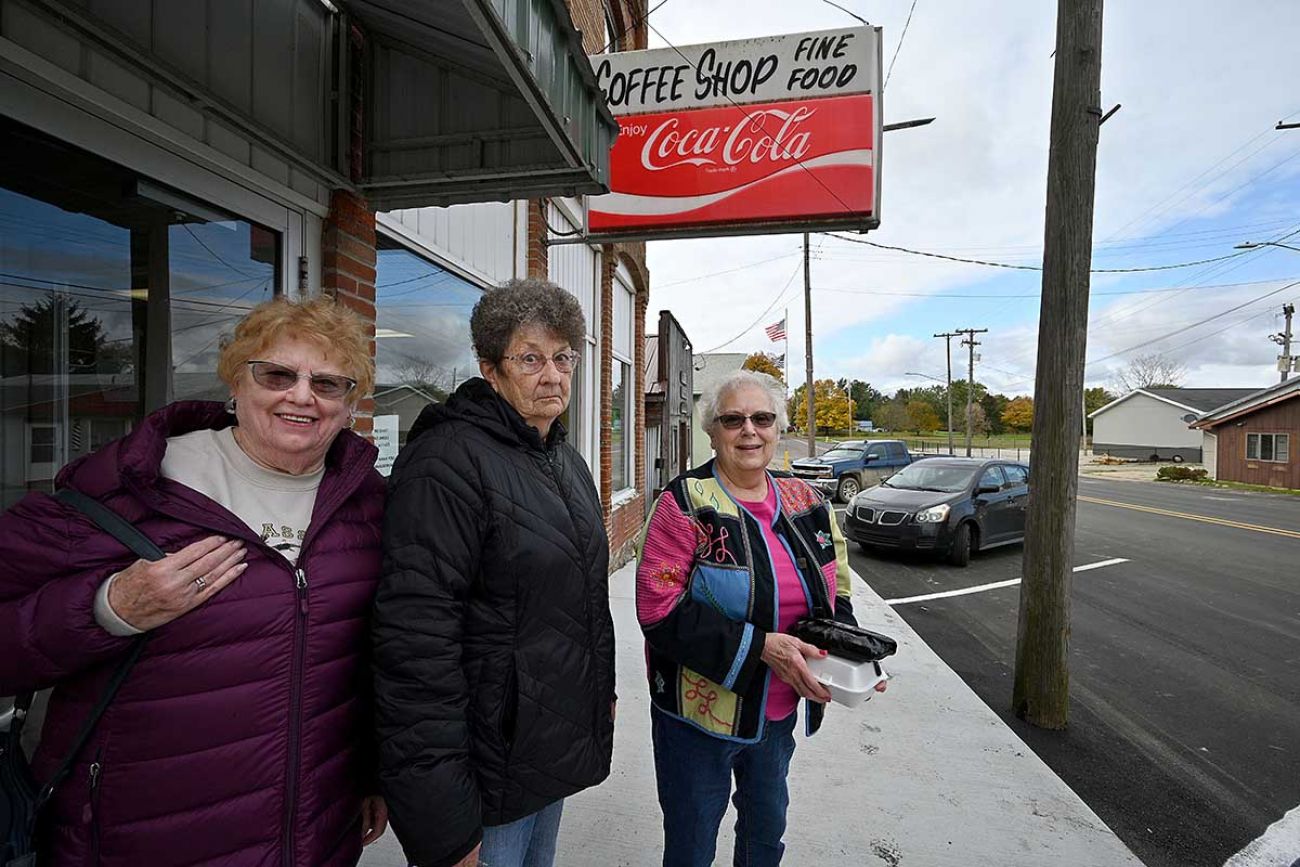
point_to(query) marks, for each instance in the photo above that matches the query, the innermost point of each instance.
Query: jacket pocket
(95, 775)
(510, 708)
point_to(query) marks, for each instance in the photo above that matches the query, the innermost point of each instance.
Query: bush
(1181, 474)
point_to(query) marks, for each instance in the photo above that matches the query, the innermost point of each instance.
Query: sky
(1190, 166)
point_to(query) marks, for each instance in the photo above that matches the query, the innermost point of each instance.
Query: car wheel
(959, 553)
(1178, 459)
(848, 489)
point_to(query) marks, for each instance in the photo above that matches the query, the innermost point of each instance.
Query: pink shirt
(793, 602)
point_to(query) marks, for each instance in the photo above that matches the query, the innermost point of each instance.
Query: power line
(899, 46)
(727, 271)
(766, 310)
(847, 11)
(1186, 328)
(997, 296)
(1030, 267)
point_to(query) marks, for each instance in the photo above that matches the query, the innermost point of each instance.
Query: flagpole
(785, 350)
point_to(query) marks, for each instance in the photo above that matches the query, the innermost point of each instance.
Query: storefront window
(113, 295)
(423, 347)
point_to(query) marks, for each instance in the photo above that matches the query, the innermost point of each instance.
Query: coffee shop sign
(770, 69)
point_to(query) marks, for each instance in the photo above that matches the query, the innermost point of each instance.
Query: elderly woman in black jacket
(494, 646)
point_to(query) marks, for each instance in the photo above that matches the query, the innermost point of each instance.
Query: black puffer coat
(494, 646)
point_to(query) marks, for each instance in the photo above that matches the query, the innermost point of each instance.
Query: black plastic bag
(841, 639)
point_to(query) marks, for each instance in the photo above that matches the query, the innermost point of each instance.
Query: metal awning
(475, 100)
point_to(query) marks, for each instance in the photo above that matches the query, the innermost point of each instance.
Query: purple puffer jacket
(242, 735)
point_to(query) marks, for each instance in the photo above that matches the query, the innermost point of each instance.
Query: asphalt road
(1184, 728)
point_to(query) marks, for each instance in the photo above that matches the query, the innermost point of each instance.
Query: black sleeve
(433, 533)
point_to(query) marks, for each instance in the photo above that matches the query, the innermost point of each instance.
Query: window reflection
(113, 296)
(423, 347)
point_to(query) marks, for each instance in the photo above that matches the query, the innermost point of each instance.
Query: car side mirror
(866, 459)
(987, 489)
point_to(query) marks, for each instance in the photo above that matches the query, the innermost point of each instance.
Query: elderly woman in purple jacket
(239, 736)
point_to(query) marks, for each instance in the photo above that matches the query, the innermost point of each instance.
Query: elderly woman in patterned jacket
(240, 736)
(733, 555)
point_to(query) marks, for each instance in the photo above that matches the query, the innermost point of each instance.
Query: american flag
(776, 331)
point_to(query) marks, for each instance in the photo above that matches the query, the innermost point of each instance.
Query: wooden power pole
(809, 390)
(1041, 694)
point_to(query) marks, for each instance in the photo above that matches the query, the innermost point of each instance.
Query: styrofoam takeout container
(850, 683)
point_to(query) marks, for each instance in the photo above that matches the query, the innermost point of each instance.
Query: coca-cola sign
(762, 135)
(792, 161)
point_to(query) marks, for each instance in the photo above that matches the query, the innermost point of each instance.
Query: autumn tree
(761, 362)
(1150, 371)
(921, 416)
(1019, 414)
(831, 404)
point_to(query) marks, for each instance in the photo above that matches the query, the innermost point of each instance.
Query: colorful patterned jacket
(706, 597)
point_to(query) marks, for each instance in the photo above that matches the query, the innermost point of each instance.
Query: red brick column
(538, 256)
(348, 270)
(607, 265)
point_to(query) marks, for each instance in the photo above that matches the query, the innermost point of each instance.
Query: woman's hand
(786, 656)
(374, 819)
(148, 594)
(470, 860)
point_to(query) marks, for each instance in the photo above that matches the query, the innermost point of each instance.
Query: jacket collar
(478, 403)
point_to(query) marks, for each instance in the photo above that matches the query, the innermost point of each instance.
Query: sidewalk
(924, 775)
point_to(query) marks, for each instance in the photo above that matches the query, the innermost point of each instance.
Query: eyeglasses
(735, 421)
(277, 377)
(533, 362)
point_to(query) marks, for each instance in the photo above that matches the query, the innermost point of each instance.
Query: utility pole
(808, 389)
(1284, 340)
(947, 339)
(971, 342)
(1041, 693)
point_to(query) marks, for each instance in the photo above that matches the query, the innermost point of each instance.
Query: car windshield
(840, 453)
(926, 476)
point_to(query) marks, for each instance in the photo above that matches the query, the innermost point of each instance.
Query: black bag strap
(123, 531)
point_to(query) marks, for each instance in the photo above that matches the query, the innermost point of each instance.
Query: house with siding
(1151, 424)
(1254, 439)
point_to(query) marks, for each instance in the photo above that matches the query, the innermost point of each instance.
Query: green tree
(865, 399)
(891, 415)
(29, 342)
(994, 405)
(921, 416)
(761, 362)
(1019, 414)
(1093, 400)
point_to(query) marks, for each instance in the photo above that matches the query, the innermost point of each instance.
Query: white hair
(713, 395)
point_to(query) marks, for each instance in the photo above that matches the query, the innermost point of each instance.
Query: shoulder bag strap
(122, 530)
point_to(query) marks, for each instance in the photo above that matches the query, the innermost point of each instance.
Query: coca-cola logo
(752, 140)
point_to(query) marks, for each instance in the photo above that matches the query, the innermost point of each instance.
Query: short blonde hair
(321, 320)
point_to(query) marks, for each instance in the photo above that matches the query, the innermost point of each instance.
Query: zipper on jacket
(96, 770)
(295, 714)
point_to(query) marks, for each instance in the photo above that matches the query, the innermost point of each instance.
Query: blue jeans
(526, 842)
(693, 770)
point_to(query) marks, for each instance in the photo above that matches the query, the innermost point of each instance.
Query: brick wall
(348, 270)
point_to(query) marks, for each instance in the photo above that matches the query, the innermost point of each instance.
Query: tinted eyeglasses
(533, 362)
(277, 377)
(735, 421)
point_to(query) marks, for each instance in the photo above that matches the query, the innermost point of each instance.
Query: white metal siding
(1145, 421)
(576, 267)
(479, 239)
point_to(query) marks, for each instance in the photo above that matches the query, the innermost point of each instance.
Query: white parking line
(966, 591)
(1278, 846)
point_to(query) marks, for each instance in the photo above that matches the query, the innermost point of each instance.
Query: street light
(926, 375)
(1255, 245)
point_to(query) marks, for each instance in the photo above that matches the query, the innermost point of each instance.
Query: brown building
(1255, 439)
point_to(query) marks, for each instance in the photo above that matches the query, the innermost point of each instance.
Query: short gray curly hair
(503, 309)
(713, 395)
